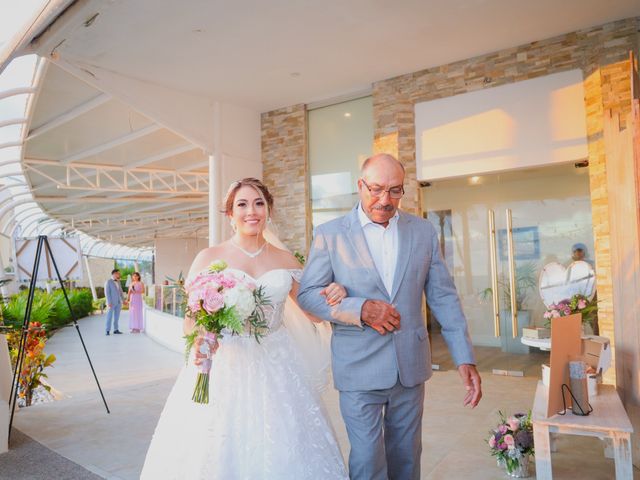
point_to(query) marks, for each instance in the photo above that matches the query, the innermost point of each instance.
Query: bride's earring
(233, 225)
(269, 221)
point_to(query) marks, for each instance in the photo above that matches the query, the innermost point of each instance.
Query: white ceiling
(245, 51)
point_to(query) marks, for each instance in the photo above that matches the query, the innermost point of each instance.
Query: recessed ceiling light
(474, 180)
(347, 115)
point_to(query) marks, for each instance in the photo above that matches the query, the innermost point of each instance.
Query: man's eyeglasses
(376, 191)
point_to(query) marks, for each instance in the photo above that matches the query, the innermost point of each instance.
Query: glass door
(497, 232)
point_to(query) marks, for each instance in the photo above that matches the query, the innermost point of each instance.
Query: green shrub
(81, 301)
(51, 310)
(41, 310)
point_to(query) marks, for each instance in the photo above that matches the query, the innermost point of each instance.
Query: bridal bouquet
(220, 302)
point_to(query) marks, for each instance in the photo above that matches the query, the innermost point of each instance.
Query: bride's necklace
(246, 252)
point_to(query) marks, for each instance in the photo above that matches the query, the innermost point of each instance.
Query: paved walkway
(136, 375)
(29, 460)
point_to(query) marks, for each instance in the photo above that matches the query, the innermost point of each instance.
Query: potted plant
(511, 442)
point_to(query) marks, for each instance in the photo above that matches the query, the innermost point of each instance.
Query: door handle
(494, 272)
(512, 275)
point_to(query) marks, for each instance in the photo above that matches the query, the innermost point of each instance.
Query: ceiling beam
(129, 226)
(118, 179)
(193, 166)
(12, 121)
(10, 144)
(148, 228)
(54, 199)
(118, 216)
(116, 142)
(69, 115)
(103, 209)
(161, 156)
(16, 91)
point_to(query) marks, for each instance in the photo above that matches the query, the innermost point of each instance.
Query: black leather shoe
(117, 332)
(107, 333)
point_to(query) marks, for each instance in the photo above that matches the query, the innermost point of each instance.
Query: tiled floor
(137, 374)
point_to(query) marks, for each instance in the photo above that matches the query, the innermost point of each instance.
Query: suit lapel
(359, 244)
(405, 239)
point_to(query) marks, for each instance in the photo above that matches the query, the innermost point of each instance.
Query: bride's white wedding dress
(264, 419)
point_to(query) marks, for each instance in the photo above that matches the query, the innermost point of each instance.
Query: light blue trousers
(113, 313)
(385, 432)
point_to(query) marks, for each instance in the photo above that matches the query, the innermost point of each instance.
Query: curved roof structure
(21, 212)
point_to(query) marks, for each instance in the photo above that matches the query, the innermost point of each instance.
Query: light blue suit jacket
(362, 358)
(113, 292)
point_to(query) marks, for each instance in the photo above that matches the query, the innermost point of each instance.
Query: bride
(264, 419)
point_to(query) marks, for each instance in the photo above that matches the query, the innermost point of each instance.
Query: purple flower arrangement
(512, 440)
(576, 304)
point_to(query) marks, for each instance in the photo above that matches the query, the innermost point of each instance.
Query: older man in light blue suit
(386, 259)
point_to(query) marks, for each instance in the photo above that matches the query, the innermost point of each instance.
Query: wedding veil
(313, 340)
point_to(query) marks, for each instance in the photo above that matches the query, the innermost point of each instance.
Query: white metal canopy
(20, 213)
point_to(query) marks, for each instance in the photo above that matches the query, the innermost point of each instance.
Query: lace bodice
(277, 285)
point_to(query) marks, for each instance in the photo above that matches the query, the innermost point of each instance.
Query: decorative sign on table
(566, 333)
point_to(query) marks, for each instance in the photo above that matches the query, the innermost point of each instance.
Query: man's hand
(381, 316)
(334, 293)
(471, 380)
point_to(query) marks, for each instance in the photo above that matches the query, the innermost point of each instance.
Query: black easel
(13, 397)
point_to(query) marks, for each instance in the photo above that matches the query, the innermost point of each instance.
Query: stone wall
(285, 171)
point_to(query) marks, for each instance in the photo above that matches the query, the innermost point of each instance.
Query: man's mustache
(383, 208)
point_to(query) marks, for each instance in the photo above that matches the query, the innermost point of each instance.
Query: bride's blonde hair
(254, 183)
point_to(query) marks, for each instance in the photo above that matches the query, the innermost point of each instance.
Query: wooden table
(608, 420)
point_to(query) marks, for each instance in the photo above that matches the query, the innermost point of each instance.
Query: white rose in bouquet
(241, 297)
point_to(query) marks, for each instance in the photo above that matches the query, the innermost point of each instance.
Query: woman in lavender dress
(136, 290)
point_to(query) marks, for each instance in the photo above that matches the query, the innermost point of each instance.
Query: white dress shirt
(383, 246)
